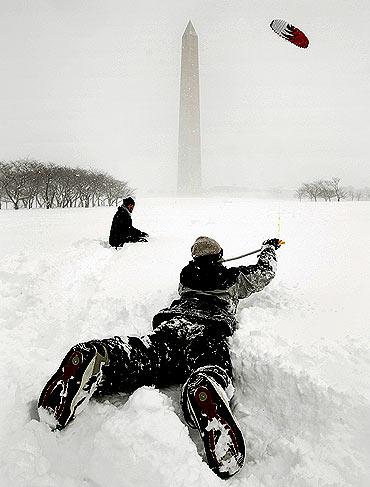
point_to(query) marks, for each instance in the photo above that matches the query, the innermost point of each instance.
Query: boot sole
(71, 403)
(222, 438)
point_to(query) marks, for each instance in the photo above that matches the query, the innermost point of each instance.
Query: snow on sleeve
(254, 278)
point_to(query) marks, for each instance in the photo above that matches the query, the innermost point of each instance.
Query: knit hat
(205, 246)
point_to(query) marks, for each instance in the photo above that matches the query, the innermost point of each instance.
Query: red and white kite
(289, 32)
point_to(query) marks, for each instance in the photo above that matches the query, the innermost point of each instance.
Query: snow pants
(167, 356)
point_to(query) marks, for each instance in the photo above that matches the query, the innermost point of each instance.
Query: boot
(206, 407)
(68, 391)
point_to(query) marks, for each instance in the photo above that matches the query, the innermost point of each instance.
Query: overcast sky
(96, 83)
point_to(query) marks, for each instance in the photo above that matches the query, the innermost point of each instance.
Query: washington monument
(189, 179)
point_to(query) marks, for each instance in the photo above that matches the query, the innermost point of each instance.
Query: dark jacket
(210, 292)
(122, 230)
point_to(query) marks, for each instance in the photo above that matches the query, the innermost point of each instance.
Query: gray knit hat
(205, 246)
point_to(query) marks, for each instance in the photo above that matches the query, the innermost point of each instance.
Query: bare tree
(66, 187)
(30, 182)
(339, 191)
(366, 193)
(17, 180)
(48, 184)
(351, 192)
(313, 190)
(300, 193)
(116, 190)
(327, 189)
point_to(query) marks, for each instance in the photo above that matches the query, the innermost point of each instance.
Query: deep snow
(301, 353)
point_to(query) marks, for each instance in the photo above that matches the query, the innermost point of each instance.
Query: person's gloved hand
(275, 242)
(143, 234)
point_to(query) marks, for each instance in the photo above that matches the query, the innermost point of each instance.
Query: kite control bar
(281, 242)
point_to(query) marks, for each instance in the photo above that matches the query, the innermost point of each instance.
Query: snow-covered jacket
(210, 292)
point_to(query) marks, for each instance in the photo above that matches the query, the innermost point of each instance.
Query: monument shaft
(189, 156)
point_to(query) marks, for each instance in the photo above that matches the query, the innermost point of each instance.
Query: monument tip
(190, 29)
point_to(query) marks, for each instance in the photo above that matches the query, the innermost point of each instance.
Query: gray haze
(96, 83)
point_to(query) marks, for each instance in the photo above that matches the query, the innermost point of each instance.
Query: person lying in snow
(188, 345)
(122, 230)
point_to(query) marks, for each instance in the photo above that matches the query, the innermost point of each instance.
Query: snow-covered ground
(301, 353)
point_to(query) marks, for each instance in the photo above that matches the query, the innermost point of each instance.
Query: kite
(289, 32)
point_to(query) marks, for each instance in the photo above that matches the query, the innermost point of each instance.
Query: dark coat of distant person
(122, 230)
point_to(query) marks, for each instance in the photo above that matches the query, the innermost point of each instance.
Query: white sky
(96, 83)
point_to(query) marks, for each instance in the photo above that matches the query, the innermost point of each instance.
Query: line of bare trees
(330, 190)
(27, 183)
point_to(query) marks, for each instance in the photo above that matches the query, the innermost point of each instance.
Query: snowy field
(301, 353)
